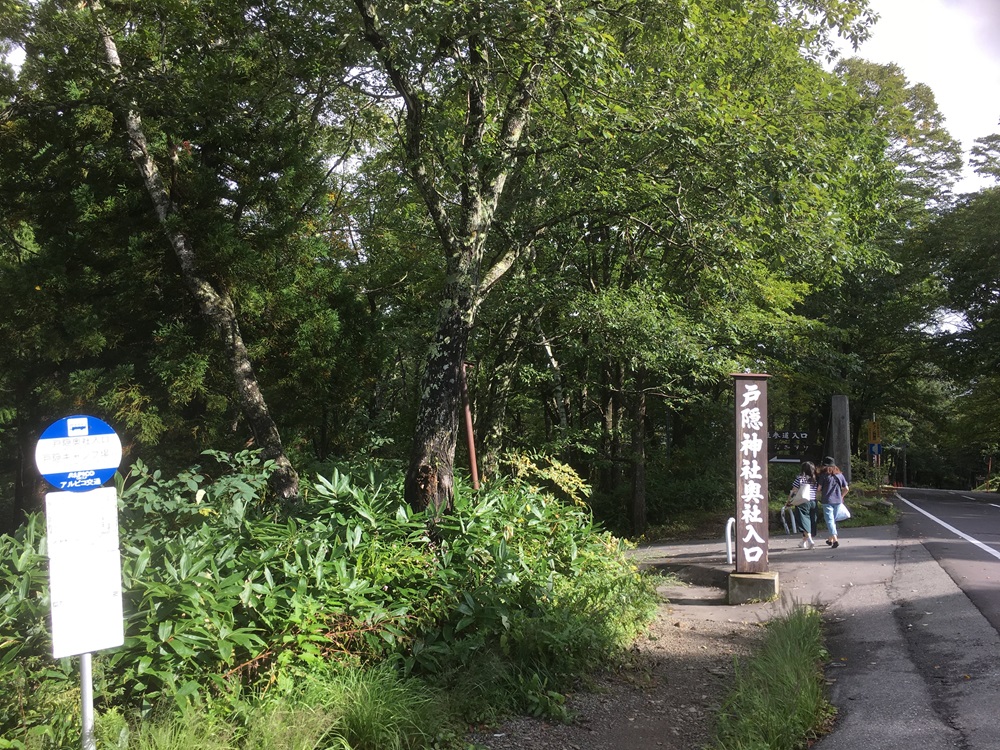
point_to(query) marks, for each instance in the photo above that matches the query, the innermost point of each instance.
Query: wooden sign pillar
(838, 442)
(751, 473)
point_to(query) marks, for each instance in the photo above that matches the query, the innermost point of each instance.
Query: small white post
(730, 526)
(87, 703)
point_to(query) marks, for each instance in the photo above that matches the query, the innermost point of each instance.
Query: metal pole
(87, 703)
(469, 436)
(791, 515)
(730, 526)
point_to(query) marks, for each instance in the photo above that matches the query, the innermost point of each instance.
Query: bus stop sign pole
(77, 455)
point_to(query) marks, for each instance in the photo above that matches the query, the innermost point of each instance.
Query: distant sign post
(78, 454)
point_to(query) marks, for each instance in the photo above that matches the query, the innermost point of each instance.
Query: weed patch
(233, 603)
(778, 699)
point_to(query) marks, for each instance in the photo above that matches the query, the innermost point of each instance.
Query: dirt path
(669, 691)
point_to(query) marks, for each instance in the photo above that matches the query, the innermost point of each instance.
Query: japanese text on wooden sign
(751, 473)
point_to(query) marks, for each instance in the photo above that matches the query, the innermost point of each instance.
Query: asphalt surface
(913, 664)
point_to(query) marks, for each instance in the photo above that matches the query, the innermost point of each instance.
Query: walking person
(802, 498)
(832, 488)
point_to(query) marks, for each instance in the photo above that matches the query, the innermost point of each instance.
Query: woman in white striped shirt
(804, 503)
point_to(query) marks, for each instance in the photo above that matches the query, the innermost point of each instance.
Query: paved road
(915, 664)
(921, 662)
(961, 530)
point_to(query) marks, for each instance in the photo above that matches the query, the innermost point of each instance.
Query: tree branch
(414, 122)
(215, 305)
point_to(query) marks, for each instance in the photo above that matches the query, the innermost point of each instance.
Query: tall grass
(778, 701)
(358, 709)
(378, 710)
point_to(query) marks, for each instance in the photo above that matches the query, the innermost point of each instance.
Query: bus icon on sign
(77, 426)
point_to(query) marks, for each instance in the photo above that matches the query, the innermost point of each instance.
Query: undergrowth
(233, 605)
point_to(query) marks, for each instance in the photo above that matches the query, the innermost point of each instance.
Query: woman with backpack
(802, 498)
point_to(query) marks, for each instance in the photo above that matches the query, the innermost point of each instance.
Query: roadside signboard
(78, 453)
(790, 446)
(85, 578)
(751, 473)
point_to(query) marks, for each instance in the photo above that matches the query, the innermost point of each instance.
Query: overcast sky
(954, 47)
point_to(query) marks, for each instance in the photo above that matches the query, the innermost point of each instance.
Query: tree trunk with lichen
(489, 140)
(430, 476)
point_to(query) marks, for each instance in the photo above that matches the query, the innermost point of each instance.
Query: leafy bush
(40, 697)
(550, 595)
(226, 593)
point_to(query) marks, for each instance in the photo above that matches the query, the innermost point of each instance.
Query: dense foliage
(609, 209)
(517, 594)
(314, 230)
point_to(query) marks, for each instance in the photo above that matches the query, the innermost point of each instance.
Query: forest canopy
(314, 228)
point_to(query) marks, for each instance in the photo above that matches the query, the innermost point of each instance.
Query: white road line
(952, 529)
(968, 498)
(994, 505)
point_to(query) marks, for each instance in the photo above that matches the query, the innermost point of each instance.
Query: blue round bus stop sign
(78, 453)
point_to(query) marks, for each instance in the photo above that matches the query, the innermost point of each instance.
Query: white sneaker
(803, 544)
(809, 544)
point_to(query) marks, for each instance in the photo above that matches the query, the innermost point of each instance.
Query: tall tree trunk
(492, 415)
(607, 412)
(558, 395)
(613, 472)
(614, 418)
(215, 305)
(489, 157)
(29, 487)
(430, 475)
(638, 503)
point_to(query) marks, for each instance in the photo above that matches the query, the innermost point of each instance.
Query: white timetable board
(85, 581)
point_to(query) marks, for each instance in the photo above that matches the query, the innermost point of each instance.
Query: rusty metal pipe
(469, 436)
